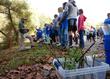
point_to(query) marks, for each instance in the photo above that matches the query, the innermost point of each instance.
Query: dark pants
(81, 38)
(72, 27)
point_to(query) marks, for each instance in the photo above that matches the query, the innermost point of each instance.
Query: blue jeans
(64, 39)
(107, 48)
(64, 33)
(81, 38)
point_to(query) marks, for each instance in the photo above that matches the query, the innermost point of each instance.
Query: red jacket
(81, 21)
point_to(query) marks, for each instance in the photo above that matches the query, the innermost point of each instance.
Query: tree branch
(4, 13)
(3, 33)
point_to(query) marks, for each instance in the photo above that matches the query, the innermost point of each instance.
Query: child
(39, 34)
(63, 27)
(55, 28)
(81, 27)
(46, 33)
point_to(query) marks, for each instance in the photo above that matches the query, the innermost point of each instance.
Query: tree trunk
(12, 28)
(10, 35)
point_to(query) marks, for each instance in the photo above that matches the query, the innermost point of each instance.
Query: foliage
(43, 19)
(39, 19)
(72, 58)
(13, 59)
(13, 10)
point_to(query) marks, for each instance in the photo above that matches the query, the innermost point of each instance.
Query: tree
(44, 19)
(13, 10)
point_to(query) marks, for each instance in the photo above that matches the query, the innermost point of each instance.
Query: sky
(94, 10)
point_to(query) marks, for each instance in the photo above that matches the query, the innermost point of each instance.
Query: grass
(11, 59)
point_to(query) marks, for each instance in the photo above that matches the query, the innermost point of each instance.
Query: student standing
(81, 27)
(71, 13)
(63, 22)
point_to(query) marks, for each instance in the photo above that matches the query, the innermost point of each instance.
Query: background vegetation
(10, 12)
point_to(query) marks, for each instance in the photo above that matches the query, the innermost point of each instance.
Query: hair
(45, 24)
(80, 11)
(64, 4)
(73, 2)
(60, 9)
(108, 14)
(55, 15)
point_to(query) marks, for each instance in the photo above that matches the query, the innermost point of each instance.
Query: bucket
(107, 48)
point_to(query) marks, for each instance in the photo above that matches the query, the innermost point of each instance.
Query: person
(39, 33)
(63, 22)
(55, 28)
(52, 34)
(107, 21)
(71, 11)
(87, 34)
(106, 30)
(92, 33)
(81, 27)
(46, 33)
(24, 34)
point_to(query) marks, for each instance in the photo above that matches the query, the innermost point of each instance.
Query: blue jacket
(107, 21)
(39, 33)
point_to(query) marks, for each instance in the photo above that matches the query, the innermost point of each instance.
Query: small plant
(72, 58)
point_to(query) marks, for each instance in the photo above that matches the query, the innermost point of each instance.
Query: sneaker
(32, 46)
(70, 46)
(58, 44)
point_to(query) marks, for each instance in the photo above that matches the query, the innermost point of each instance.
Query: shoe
(58, 44)
(70, 46)
(32, 46)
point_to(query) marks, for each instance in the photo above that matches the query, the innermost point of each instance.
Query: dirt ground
(47, 71)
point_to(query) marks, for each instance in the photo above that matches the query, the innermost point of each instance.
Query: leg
(21, 41)
(81, 37)
(30, 38)
(70, 25)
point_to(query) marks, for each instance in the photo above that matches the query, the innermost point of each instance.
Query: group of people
(65, 27)
(91, 33)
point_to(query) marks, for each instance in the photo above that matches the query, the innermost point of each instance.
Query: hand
(59, 23)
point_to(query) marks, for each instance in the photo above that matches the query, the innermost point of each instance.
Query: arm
(64, 16)
(65, 13)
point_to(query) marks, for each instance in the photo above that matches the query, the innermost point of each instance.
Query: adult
(71, 11)
(24, 34)
(92, 33)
